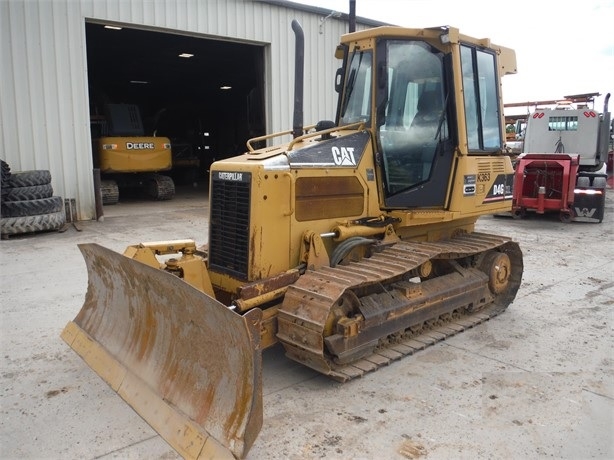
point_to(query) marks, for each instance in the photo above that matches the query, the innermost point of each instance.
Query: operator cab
(404, 89)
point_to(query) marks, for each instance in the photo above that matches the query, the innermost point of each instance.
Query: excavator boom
(187, 364)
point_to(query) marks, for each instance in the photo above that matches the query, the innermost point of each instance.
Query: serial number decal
(484, 177)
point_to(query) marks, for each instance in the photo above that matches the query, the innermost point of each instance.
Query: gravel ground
(534, 382)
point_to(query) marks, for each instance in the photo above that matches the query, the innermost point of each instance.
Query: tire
(519, 213)
(6, 172)
(29, 224)
(30, 178)
(34, 192)
(4, 180)
(566, 216)
(32, 207)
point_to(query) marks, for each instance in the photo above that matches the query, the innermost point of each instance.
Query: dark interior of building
(206, 95)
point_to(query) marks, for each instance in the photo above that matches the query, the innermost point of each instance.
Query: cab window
(481, 101)
(357, 98)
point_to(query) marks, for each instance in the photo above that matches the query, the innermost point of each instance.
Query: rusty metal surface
(382, 356)
(304, 316)
(260, 287)
(195, 357)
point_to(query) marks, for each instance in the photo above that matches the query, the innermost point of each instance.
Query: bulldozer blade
(187, 364)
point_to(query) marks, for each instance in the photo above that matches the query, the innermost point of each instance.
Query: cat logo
(344, 156)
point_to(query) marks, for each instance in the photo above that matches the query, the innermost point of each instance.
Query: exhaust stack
(299, 62)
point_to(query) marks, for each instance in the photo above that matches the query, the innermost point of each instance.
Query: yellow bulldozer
(352, 244)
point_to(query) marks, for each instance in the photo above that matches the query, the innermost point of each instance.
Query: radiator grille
(229, 223)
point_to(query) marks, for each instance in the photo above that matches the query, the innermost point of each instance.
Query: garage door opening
(206, 96)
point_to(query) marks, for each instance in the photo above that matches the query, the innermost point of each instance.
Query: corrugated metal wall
(44, 119)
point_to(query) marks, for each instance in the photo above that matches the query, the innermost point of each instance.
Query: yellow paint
(116, 156)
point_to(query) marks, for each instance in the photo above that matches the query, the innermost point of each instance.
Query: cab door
(413, 133)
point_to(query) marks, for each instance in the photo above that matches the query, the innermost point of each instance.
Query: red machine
(545, 182)
(563, 165)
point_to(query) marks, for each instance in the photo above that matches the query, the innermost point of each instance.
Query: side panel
(482, 185)
(328, 197)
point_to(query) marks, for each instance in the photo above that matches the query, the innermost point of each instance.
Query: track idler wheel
(498, 267)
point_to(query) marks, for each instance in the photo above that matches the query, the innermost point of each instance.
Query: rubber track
(321, 288)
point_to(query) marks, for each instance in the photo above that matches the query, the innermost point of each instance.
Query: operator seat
(429, 110)
(423, 130)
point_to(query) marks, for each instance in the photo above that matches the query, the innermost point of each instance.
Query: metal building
(45, 97)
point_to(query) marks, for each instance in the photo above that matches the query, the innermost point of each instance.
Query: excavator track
(352, 319)
(110, 192)
(161, 187)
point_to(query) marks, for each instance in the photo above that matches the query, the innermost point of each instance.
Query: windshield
(357, 100)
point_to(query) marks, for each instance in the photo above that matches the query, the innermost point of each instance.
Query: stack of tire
(28, 204)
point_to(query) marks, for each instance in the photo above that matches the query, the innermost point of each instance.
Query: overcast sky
(563, 47)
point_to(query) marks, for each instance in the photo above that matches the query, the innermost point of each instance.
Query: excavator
(127, 158)
(351, 243)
